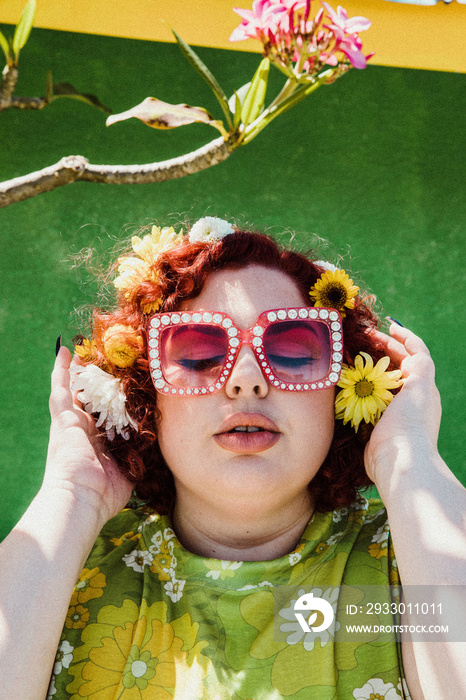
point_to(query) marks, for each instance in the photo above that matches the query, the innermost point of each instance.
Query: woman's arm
(43, 556)
(426, 508)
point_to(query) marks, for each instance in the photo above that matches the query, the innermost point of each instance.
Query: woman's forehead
(246, 292)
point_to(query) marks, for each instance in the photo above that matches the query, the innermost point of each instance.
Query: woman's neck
(243, 533)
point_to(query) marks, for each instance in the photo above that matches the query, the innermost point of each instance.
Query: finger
(60, 395)
(417, 361)
(412, 343)
(74, 392)
(392, 347)
(407, 351)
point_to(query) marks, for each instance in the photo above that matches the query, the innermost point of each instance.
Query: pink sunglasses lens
(298, 351)
(193, 355)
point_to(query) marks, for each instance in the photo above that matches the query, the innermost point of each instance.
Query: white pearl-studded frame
(330, 317)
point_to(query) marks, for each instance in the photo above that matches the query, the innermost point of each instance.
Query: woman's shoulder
(126, 531)
(349, 533)
(365, 519)
(363, 515)
(367, 511)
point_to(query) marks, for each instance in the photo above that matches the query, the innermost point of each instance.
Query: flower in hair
(326, 265)
(365, 390)
(134, 271)
(210, 228)
(122, 345)
(334, 289)
(158, 241)
(102, 393)
(87, 350)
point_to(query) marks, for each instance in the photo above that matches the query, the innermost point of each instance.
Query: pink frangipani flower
(345, 32)
(301, 46)
(258, 22)
(351, 48)
(340, 20)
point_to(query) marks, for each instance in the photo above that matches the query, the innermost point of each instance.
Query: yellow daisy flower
(122, 345)
(365, 390)
(334, 289)
(87, 351)
(152, 307)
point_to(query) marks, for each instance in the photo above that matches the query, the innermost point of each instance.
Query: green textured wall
(374, 164)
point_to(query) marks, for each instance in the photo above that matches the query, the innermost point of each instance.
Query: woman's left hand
(411, 422)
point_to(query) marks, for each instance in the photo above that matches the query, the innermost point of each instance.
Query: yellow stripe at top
(409, 36)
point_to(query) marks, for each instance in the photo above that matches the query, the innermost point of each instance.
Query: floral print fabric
(148, 620)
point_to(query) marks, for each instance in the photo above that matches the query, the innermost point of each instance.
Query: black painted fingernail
(58, 345)
(395, 321)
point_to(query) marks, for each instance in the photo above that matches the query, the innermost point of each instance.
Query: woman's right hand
(77, 460)
(47, 549)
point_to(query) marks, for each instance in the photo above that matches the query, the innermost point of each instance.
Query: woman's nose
(246, 378)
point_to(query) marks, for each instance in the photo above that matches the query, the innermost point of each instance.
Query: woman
(214, 382)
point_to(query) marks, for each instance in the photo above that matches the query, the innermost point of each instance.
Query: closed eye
(201, 364)
(291, 362)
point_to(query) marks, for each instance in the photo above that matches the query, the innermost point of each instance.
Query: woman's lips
(247, 442)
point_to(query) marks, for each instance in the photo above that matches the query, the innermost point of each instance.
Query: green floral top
(150, 620)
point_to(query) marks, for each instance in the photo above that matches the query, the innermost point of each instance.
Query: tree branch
(73, 168)
(9, 80)
(28, 103)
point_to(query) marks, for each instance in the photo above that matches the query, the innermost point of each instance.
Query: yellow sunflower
(366, 390)
(334, 289)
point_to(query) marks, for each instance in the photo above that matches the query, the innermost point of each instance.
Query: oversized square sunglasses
(193, 353)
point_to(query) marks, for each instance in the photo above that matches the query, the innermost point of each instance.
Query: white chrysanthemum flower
(326, 265)
(102, 393)
(210, 228)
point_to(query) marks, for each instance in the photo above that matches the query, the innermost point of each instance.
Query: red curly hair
(182, 273)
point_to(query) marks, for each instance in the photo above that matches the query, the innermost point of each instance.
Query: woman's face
(214, 466)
